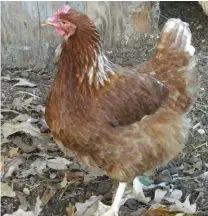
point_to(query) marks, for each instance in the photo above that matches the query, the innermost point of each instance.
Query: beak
(47, 22)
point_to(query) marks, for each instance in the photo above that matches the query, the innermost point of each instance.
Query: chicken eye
(63, 22)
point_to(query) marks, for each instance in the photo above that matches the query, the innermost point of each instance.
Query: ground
(20, 150)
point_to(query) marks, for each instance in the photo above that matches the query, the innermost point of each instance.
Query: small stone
(26, 191)
(201, 131)
(52, 175)
(199, 27)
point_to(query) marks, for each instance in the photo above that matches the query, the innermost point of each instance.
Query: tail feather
(176, 35)
(175, 50)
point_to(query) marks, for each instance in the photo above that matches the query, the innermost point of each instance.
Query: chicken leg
(112, 210)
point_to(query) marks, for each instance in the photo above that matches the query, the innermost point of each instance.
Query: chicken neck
(82, 61)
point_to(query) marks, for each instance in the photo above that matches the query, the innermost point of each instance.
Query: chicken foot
(119, 200)
(112, 210)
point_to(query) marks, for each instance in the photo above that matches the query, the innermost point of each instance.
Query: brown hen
(126, 121)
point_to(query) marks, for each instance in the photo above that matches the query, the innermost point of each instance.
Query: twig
(8, 110)
(164, 16)
(204, 144)
(23, 92)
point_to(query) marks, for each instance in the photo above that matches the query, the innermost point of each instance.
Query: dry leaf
(159, 195)
(23, 82)
(5, 141)
(23, 146)
(36, 168)
(198, 165)
(204, 176)
(21, 212)
(23, 118)
(12, 166)
(176, 194)
(2, 165)
(20, 104)
(93, 173)
(13, 152)
(70, 211)
(162, 211)
(24, 205)
(58, 163)
(47, 195)
(89, 207)
(64, 182)
(5, 78)
(74, 175)
(26, 127)
(6, 190)
(185, 207)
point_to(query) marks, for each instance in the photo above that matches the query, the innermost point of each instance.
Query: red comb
(65, 9)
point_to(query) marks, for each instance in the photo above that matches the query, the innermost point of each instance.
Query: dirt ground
(23, 155)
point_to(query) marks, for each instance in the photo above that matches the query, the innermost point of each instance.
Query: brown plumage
(127, 121)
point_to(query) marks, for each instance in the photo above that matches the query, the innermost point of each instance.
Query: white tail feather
(182, 30)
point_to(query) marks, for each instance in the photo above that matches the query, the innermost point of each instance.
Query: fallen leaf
(23, 118)
(26, 127)
(159, 195)
(5, 141)
(23, 82)
(47, 195)
(13, 152)
(70, 211)
(93, 173)
(12, 166)
(198, 165)
(185, 207)
(64, 182)
(23, 146)
(5, 78)
(176, 194)
(36, 168)
(24, 205)
(88, 207)
(20, 104)
(58, 163)
(70, 176)
(204, 176)
(21, 212)
(2, 165)
(163, 211)
(6, 190)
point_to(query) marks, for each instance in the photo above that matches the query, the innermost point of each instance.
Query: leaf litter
(25, 124)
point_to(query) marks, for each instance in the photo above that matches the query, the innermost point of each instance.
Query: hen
(127, 121)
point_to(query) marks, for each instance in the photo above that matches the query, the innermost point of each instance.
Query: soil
(182, 172)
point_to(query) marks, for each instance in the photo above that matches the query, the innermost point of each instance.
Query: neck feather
(82, 56)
